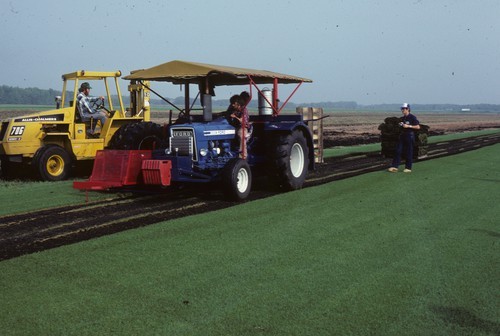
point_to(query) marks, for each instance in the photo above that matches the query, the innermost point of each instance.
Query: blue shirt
(410, 119)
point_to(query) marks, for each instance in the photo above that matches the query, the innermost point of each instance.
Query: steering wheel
(98, 104)
(182, 117)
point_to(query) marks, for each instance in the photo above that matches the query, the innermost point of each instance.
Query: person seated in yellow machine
(87, 107)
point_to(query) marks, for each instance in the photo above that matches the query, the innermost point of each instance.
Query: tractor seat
(89, 123)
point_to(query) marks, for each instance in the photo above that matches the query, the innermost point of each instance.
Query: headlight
(203, 152)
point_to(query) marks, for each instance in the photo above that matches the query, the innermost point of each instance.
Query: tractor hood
(181, 72)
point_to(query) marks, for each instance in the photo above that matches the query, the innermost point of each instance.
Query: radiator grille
(182, 145)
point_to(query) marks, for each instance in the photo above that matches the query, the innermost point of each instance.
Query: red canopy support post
(275, 100)
(293, 92)
(275, 97)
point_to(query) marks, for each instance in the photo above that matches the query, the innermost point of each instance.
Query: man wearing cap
(408, 124)
(86, 111)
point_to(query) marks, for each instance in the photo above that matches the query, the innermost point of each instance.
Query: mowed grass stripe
(18, 197)
(379, 254)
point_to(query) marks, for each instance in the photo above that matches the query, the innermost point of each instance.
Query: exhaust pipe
(206, 102)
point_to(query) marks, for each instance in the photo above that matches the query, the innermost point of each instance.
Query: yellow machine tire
(53, 163)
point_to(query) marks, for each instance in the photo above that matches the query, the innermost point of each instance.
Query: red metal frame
(274, 103)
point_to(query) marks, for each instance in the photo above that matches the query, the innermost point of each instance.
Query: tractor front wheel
(53, 163)
(237, 179)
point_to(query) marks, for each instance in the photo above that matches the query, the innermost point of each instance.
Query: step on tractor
(51, 143)
(202, 146)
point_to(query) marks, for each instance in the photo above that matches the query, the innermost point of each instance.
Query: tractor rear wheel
(289, 161)
(53, 163)
(237, 179)
(139, 135)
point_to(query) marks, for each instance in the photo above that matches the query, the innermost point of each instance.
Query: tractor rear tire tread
(288, 161)
(140, 135)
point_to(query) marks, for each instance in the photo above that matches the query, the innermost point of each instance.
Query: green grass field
(25, 107)
(378, 254)
(23, 196)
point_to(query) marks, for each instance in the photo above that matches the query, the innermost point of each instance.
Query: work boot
(91, 134)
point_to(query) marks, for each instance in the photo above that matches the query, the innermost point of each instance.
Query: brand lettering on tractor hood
(218, 132)
(182, 133)
(54, 117)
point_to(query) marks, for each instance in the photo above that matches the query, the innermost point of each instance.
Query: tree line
(27, 96)
(36, 96)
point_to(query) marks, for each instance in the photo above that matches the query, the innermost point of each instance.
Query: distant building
(465, 110)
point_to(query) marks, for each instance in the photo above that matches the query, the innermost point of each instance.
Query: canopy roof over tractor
(182, 72)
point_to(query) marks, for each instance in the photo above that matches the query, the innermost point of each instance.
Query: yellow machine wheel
(53, 163)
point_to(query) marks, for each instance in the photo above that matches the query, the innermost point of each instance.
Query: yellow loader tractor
(51, 143)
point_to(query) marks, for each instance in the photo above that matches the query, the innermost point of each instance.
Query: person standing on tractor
(240, 120)
(409, 123)
(86, 106)
(246, 129)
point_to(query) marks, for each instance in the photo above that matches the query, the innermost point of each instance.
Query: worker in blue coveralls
(409, 123)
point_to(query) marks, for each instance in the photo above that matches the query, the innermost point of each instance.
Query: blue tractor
(203, 147)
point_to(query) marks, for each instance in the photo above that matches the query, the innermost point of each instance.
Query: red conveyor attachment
(115, 168)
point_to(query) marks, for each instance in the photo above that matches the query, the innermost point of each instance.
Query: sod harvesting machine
(50, 143)
(201, 146)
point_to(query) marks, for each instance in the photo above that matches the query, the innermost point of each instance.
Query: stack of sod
(389, 137)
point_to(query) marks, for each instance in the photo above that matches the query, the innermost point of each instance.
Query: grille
(182, 142)
(182, 145)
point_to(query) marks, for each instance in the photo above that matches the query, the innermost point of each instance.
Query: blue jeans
(405, 146)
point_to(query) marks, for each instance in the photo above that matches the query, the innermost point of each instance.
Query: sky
(370, 52)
